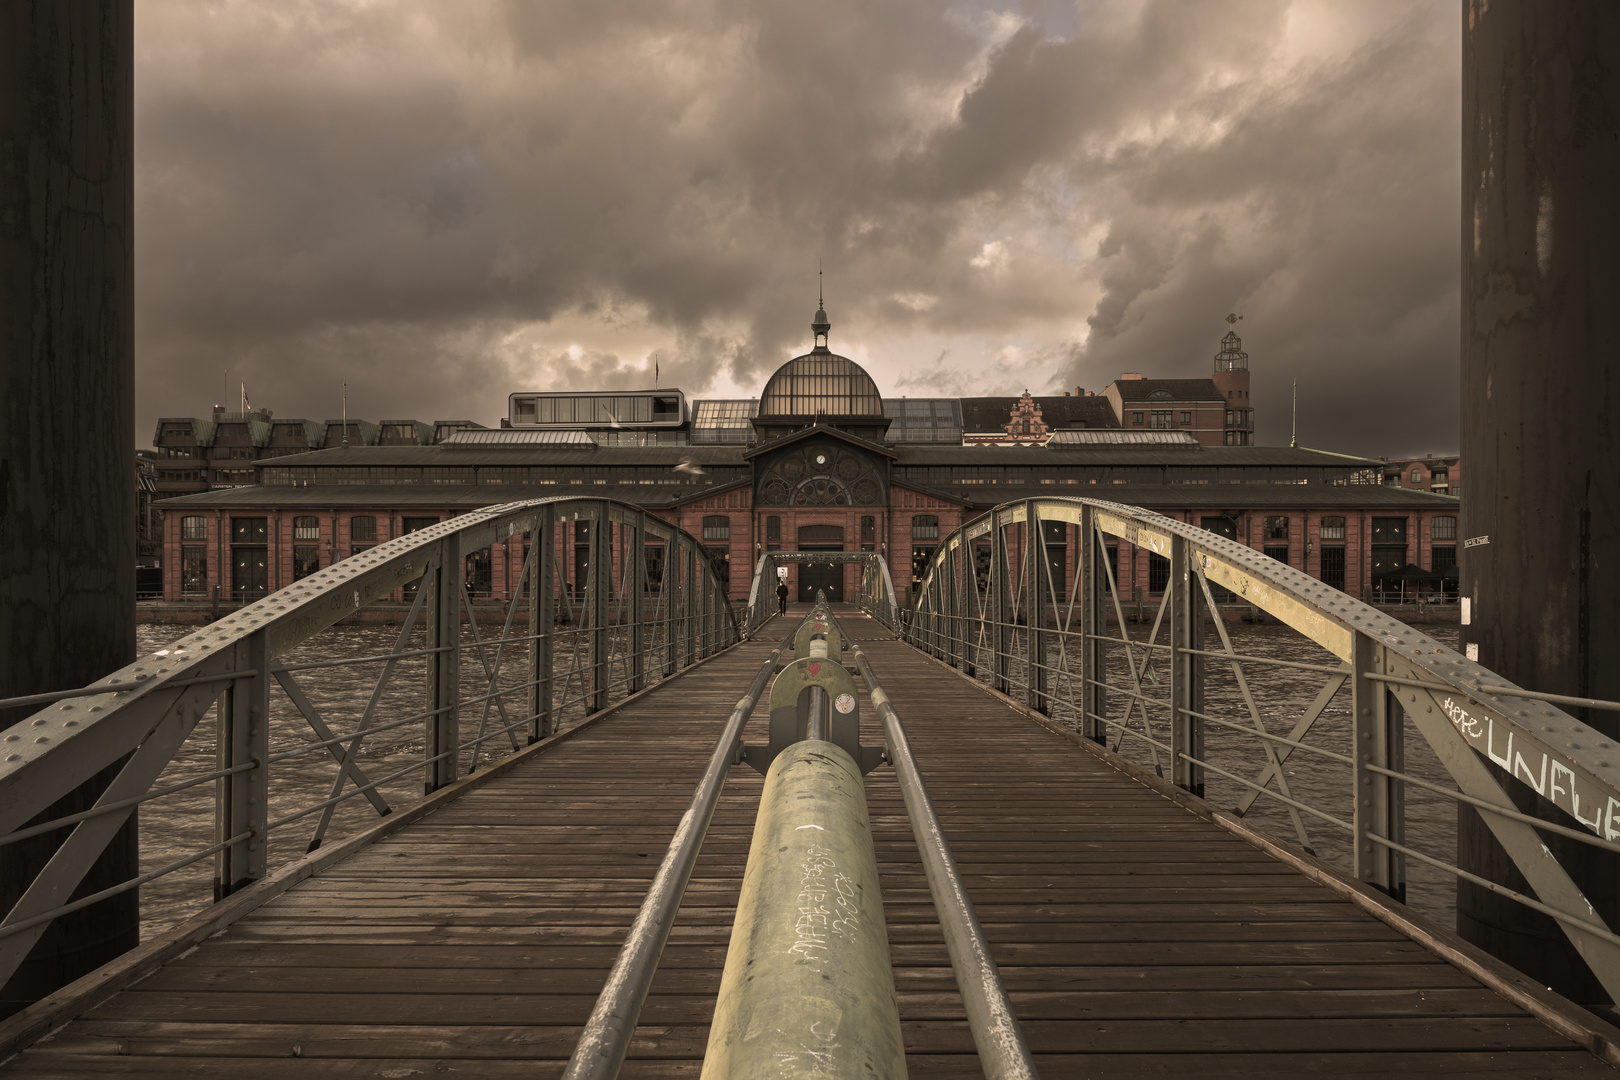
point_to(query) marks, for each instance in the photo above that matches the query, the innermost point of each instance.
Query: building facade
(819, 462)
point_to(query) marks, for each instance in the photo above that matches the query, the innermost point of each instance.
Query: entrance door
(828, 578)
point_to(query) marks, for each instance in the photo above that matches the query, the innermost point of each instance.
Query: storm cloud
(440, 202)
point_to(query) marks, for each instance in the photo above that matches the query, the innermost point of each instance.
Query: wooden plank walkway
(1135, 939)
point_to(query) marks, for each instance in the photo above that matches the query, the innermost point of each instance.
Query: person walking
(781, 598)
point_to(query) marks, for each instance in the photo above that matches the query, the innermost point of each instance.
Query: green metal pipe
(807, 989)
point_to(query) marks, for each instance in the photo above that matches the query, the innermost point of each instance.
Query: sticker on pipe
(844, 703)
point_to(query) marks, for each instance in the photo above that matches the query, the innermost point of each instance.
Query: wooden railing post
(443, 724)
(242, 800)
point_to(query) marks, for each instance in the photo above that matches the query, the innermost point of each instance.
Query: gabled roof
(819, 429)
(1142, 391)
(981, 414)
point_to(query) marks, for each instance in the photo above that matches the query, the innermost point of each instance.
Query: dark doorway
(829, 578)
(250, 559)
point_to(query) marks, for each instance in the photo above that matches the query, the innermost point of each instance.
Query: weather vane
(1233, 318)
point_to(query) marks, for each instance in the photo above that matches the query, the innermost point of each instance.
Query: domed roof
(820, 383)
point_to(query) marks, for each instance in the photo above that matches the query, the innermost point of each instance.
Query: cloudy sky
(441, 201)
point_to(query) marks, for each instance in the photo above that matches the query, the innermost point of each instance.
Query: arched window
(306, 528)
(716, 527)
(924, 527)
(193, 528)
(1417, 475)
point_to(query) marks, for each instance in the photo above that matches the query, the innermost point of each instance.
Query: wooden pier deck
(1135, 938)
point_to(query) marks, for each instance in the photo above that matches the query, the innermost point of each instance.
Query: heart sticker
(813, 669)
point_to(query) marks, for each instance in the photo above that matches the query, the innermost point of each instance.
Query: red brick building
(820, 462)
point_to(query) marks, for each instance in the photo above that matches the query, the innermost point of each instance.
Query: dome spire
(819, 326)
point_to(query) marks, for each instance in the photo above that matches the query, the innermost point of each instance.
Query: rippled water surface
(184, 822)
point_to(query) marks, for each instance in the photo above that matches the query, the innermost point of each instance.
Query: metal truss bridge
(624, 829)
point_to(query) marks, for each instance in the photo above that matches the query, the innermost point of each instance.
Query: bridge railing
(294, 744)
(1046, 623)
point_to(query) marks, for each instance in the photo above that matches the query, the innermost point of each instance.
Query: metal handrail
(606, 1038)
(145, 712)
(1001, 627)
(996, 1033)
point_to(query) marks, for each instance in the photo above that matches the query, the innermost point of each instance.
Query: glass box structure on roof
(724, 421)
(933, 421)
(820, 384)
(646, 408)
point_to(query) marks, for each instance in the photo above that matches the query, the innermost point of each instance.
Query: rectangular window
(1136, 418)
(1439, 477)
(363, 528)
(1161, 418)
(479, 573)
(1443, 527)
(1278, 552)
(720, 559)
(1333, 529)
(924, 527)
(193, 569)
(1442, 557)
(193, 528)
(1276, 527)
(773, 529)
(716, 527)
(1186, 417)
(306, 528)
(868, 529)
(1333, 566)
(306, 561)
(1158, 573)
(921, 556)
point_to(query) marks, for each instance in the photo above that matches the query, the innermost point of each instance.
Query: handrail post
(672, 585)
(1035, 562)
(601, 590)
(1379, 799)
(542, 622)
(443, 722)
(694, 590)
(1093, 621)
(242, 800)
(1186, 669)
(1000, 604)
(636, 600)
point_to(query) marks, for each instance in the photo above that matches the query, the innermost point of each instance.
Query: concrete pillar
(1541, 406)
(67, 434)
